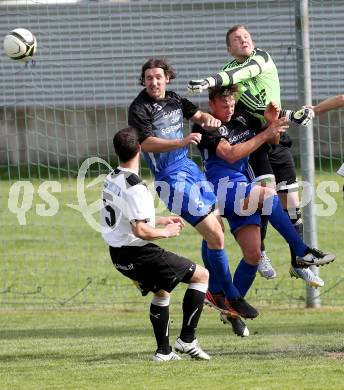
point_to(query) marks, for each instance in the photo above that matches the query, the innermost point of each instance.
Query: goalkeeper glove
(302, 117)
(198, 86)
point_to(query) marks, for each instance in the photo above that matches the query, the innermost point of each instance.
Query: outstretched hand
(275, 128)
(197, 86)
(272, 112)
(303, 116)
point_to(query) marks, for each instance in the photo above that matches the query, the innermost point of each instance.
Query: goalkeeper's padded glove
(198, 86)
(301, 117)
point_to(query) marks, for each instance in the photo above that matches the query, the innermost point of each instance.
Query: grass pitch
(111, 349)
(68, 320)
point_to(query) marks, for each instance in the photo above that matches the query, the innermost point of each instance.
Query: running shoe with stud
(243, 308)
(315, 257)
(307, 275)
(217, 301)
(265, 268)
(193, 349)
(160, 357)
(238, 325)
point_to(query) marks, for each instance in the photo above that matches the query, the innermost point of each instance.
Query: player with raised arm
(128, 221)
(256, 76)
(158, 115)
(225, 154)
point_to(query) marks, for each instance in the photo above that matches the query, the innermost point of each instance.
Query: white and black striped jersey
(125, 199)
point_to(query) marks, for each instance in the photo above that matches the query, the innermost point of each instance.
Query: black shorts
(283, 167)
(151, 267)
(259, 165)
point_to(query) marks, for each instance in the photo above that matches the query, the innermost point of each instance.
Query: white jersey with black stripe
(125, 198)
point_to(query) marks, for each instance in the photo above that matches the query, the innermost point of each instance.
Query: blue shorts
(230, 198)
(186, 192)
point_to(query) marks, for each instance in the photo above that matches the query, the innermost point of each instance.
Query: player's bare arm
(328, 104)
(160, 145)
(271, 114)
(142, 230)
(207, 121)
(163, 221)
(233, 153)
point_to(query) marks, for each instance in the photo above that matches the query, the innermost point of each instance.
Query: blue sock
(244, 276)
(279, 219)
(214, 285)
(217, 259)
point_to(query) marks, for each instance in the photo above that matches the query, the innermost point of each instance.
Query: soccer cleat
(307, 275)
(192, 349)
(265, 268)
(315, 257)
(218, 302)
(160, 357)
(238, 325)
(243, 308)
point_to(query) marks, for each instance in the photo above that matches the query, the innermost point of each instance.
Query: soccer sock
(160, 319)
(244, 276)
(280, 221)
(264, 220)
(296, 220)
(219, 265)
(192, 309)
(214, 285)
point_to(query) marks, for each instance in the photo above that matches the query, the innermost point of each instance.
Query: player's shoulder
(124, 179)
(133, 180)
(229, 65)
(262, 53)
(142, 100)
(174, 96)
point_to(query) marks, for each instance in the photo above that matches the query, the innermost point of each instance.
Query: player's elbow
(138, 231)
(230, 158)
(146, 146)
(233, 158)
(228, 154)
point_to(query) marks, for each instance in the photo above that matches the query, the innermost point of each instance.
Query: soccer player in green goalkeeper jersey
(256, 76)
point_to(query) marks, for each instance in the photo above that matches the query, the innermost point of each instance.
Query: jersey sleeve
(140, 119)
(138, 203)
(210, 138)
(259, 62)
(189, 109)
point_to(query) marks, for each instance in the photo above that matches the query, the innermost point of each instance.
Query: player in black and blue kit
(225, 155)
(158, 115)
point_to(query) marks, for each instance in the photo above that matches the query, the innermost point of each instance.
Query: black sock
(192, 309)
(160, 318)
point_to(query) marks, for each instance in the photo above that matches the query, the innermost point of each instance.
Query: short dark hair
(219, 91)
(232, 30)
(126, 143)
(157, 63)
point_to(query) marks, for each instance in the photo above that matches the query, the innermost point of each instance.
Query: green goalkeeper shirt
(257, 80)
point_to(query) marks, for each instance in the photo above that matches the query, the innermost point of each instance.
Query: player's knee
(252, 255)
(201, 275)
(162, 294)
(216, 240)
